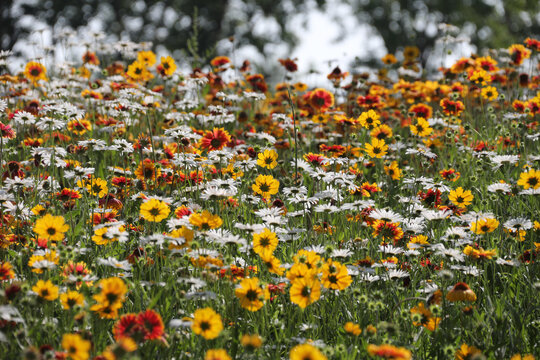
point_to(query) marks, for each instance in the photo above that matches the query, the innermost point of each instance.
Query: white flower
(508, 262)
(293, 191)
(341, 253)
(428, 287)
(468, 270)
(500, 160)
(254, 95)
(17, 209)
(3, 105)
(368, 277)
(46, 123)
(254, 228)
(272, 220)
(318, 249)
(269, 212)
(250, 199)
(386, 215)
(44, 264)
(530, 191)
(453, 254)
(438, 186)
(518, 224)
(326, 208)
(124, 146)
(176, 323)
(303, 200)
(389, 249)
(110, 261)
(23, 118)
(396, 273)
(431, 215)
(456, 233)
(414, 225)
(212, 193)
(228, 97)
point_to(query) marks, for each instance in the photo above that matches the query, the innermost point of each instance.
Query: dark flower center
(251, 295)
(111, 297)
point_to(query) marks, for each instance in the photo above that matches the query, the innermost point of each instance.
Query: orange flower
(215, 139)
(288, 64)
(219, 61)
(518, 53)
(90, 57)
(452, 108)
(461, 292)
(34, 72)
(421, 110)
(388, 351)
(321, 99)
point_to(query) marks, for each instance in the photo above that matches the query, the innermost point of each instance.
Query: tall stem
(295, 136)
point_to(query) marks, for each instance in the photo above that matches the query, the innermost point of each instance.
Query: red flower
(288, 64)
(182, 211)
(337, 74)
(215, 139)
(369, 101)
(13, 170)
(315, 159)
(6, 131)
(452, 107)
(90, 58)
(277, 289)
(105, 217)
(321, 99)
(518, 53)
(68, 194)
(519, 106)
(121, 181)
(196, 176)
(431, 197)
(421, 110)
(245, 66)
(110, 202)
(257, 82)
(152, 325)
(532, 44)
(219, 61)
(127, 326)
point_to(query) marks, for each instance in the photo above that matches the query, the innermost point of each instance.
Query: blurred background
(321, 34)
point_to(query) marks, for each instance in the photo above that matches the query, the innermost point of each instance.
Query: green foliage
(399, 23)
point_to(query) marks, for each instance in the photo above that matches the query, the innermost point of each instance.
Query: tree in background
(171, 22)
(492, 24)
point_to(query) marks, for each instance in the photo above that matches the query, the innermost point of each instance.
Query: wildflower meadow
(148, 212)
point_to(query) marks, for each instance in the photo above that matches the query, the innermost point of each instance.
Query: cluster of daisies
(151, 212)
